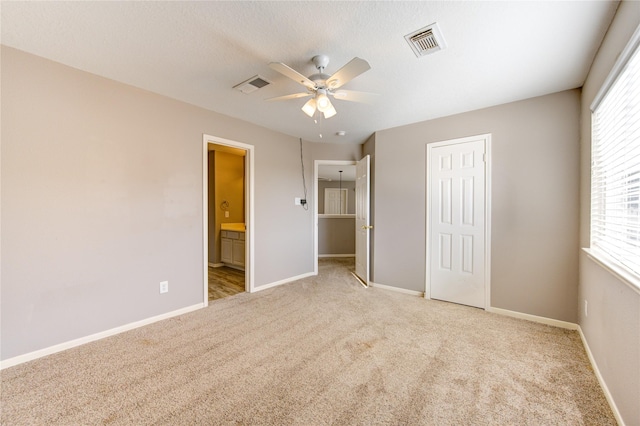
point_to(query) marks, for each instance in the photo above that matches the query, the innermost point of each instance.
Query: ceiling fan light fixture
(310, 107)
(329, 112)
(322, 101)
(321, 85)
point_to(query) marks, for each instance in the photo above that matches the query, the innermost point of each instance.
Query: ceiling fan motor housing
(320, 61)
(319, 79)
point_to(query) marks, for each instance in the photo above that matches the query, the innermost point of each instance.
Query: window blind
(615, 168)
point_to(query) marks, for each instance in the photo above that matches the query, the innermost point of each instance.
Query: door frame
(249, 174)
(487, 213)
(316, 163)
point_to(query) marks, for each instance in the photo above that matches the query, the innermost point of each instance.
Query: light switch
(226, 214)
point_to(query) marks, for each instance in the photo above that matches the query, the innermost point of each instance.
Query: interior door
(335, 201)
(363, 225)
(457, 222)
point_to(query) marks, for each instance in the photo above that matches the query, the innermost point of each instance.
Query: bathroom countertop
(238, 227)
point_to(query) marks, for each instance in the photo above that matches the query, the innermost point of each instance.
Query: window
(615, 167)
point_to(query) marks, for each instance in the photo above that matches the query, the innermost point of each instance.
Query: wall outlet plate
(164, 287)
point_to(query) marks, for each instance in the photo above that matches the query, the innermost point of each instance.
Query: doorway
(458, 220)
(352, 228)
(334, 189)
(227, 217)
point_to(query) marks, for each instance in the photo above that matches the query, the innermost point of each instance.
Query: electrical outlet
(297, 201)
(164, 287)
(586, 309)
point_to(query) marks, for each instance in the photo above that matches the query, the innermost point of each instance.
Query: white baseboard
(336, 255)
(534, 318)
(603, 385)
(285, 281)
(397, 289)
(216, 265)
(228, 265)
(20, 359)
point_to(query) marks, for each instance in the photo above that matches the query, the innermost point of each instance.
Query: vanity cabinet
(232, 248)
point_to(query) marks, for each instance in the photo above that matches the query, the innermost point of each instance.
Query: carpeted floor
(319, 351)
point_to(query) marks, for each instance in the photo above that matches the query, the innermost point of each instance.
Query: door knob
(367, 227)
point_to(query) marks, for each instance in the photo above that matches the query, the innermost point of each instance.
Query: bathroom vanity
(232, 238)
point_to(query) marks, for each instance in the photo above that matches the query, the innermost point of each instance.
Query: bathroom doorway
(227, 214)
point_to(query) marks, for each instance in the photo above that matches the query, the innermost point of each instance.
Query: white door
(363, 225)
(456, 233)
(335, 201)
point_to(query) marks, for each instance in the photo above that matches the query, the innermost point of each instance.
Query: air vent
(426, 40)
(251, 85)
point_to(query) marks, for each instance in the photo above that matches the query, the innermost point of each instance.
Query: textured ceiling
(196, 52)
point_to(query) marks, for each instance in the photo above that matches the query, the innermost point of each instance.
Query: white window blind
(615, 168)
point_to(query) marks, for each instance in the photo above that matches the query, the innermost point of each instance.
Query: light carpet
(318, 351)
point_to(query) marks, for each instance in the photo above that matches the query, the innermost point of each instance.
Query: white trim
(397, 289)
(603, 385)
(487, 211)
(315, 204)
(624, 276)
(487, 220)
(20, 359)
(285, 281)
(336, 255)
(249, 174)
(623, 58)
(533, 318)
(236, 267)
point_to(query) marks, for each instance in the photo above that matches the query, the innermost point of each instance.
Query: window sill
(626, 277)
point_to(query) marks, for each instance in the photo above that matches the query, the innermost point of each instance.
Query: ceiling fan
(321, 85)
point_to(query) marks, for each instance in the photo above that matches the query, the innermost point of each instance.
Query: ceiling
(332, 172)
(497, 52)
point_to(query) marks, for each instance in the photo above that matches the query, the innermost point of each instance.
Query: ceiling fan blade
(292, 74)
(292, 96)
(351, 70)
(355, 96)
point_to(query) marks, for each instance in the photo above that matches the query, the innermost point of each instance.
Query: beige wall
(333, 151)
(102, 199)
(230, 186)
(535, 187)
(612, 327)
(336, 236)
